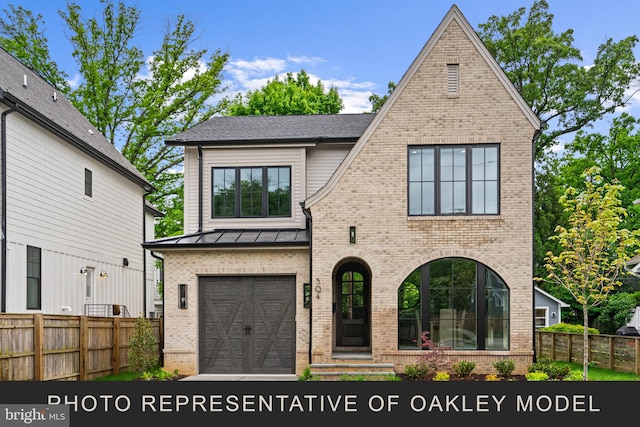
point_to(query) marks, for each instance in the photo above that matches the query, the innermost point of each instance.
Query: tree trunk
(585, 345)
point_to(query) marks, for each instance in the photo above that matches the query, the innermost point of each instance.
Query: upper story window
(88, 183)
(251, 192)
(454, 180)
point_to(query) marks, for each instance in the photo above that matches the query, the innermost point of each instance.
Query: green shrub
(565, 327)
(442, 376)
(573, 375)
(143, 355)
(417, 371)
(464, 368)
(504, 367)
(553, 371)
(537, 376)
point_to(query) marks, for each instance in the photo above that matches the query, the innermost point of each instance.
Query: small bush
(504, 367)
(553, 371)
(441, 376)
(464, 368)
(574, 375)
(143, 353)
(537, 376)
(568, 328)
(417, 371)
(306, 374)
(491, 377)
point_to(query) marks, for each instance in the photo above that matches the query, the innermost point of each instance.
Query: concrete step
(351, 368)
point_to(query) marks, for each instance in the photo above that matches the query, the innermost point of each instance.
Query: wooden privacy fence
(615, 352)
(43, 347)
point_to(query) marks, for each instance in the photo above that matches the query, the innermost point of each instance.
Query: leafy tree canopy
(295, 94)
(135, 101)
(546, 69)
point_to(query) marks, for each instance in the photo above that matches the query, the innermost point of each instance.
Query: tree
(22, 37)
(545, 68)
(134, 101)
(615, 153)
(378, 101)
(292, 95)
(594, 249)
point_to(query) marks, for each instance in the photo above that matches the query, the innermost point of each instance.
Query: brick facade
(369, 191)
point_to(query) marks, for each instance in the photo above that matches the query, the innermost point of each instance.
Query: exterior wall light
(182, 296)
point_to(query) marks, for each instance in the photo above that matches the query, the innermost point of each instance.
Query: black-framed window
(34, 274)
(88, 183)
(454, 180)
(251, 192)
(459, 303)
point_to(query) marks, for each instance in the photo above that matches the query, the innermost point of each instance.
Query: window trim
(88, 182)
(238, 194)
(437, 181)
(38, 278)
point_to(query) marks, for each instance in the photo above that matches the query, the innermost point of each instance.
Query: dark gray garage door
(247, 325)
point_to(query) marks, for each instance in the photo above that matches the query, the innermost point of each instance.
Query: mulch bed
(473, 377)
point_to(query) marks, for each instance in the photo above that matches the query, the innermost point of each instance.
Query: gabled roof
(454, 14)
(222, 130)
(233, 238)
(548, 295)
(39, 101)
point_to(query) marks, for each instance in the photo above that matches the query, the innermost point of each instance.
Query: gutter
(3, 172)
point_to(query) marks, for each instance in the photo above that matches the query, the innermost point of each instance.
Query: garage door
(247, 325)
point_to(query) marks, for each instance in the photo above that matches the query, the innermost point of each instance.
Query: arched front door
(353, 305)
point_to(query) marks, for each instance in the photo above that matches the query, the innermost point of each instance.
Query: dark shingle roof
(46, 105)
(233, 238)
(292, 128)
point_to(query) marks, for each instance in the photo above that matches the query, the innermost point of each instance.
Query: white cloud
(245, 75)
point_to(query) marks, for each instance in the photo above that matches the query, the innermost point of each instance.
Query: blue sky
(357, 46)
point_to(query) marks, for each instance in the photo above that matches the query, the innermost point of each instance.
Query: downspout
(307, 214)
(200, 186)
(161, 259)
(3, 149)
(536, 135)
(144, 254)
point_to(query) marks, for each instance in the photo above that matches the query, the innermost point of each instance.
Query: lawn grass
(601, 374)
(158, 374)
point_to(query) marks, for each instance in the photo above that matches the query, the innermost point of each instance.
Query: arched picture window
(457, 303)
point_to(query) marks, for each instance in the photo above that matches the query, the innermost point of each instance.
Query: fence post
(115, 352)
(38, 347)
(84, 347)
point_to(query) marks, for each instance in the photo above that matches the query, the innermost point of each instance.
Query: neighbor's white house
(73, 209)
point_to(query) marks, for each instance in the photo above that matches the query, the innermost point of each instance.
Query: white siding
(190, 190)
(294, 157)
(322, 162)
(47, 208)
